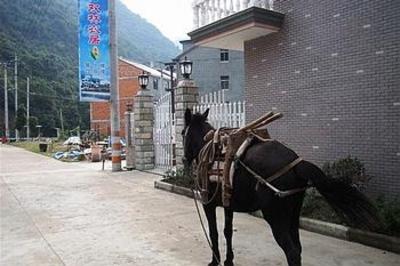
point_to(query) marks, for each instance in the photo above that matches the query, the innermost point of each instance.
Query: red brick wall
(128, 87)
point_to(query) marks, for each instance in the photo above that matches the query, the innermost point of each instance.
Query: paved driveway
(55, 213)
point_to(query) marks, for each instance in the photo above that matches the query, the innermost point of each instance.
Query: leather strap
(284, 170)
(266, 182)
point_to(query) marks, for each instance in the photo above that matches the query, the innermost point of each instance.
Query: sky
(172, 17)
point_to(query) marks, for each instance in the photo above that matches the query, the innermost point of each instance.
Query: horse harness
(221, 154)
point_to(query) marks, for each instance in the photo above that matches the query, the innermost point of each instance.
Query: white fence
(222, 114)
(164, 133)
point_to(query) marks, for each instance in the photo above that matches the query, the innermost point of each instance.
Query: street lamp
(171, 66)
(39, 127)
(186, 68)
(143, 80)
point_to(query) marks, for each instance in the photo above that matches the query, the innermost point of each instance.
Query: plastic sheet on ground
(69, 156)
(73, 141)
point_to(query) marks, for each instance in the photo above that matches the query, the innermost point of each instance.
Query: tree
(20, 118)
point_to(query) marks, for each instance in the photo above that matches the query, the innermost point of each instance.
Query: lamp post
(171, 67)
(143, 80)
(186, 67)
(39, 127)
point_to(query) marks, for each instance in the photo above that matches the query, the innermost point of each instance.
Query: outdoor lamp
(186, 68)
(143, 80)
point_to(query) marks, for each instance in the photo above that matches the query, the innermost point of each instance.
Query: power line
(50, 96)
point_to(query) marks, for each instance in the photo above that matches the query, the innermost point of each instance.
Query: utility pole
(115, 120)
(16, 92)
(6, 103)
(28, 131)
(61, 121)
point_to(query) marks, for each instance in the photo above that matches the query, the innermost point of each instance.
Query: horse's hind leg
(295, 220)
(279, 220)
(210, 210)
(228, 231)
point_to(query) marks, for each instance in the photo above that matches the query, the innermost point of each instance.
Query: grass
(33, 146)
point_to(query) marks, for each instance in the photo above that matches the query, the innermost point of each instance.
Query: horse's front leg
(210, 210)
(228, 231)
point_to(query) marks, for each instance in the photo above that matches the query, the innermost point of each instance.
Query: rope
(206, 158)
(204, 228)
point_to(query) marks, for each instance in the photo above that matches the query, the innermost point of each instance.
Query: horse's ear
(188, 116)
(205, 114)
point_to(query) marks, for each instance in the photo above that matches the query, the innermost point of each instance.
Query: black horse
(282, 214)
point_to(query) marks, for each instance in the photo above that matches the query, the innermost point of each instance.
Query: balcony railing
(208, 11)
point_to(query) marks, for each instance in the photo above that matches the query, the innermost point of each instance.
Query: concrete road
(55, 213)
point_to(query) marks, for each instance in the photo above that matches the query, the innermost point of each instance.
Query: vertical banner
(94, 51)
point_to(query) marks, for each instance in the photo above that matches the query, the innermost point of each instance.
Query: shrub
(349, 170)
(179, 178)
(389, 211)
(316, 207)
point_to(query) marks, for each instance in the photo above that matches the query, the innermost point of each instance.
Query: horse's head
(196, 127)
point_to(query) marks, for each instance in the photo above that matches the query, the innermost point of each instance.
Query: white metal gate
(164, 133)
(222, 114)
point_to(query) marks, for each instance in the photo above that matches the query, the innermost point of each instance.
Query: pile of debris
(74, 152)
(78, 150)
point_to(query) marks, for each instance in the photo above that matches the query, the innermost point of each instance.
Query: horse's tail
(346, 200)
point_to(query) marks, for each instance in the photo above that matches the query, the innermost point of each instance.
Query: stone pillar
(186, 96)
(143, 135)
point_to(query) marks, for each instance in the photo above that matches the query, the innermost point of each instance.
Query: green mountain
(140, 40)
(44, 35)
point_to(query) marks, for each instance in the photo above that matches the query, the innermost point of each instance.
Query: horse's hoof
(213, 263)
(228, 263)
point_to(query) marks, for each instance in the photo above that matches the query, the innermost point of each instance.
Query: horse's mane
(198, 119)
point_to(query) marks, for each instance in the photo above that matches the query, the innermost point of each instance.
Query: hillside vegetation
(44, 35)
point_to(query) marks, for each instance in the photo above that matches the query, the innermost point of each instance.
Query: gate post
(130, 144)
(143, 134)
(186, 96)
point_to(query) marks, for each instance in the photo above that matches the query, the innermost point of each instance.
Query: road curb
(174, 189)
(374, 240)
(371, 239)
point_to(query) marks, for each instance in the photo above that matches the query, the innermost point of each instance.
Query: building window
(224, 55)
(224, 82)
(155, 83)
